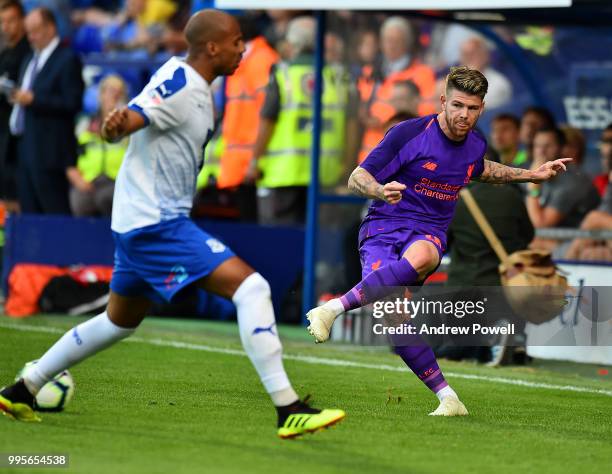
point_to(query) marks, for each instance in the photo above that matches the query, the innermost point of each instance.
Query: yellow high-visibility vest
(212, 161)
(287, 158)
(99, 158)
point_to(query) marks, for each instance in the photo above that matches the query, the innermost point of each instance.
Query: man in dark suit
(43, 117)
(17, 48)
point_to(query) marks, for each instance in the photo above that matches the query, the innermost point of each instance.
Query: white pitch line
(324, 361)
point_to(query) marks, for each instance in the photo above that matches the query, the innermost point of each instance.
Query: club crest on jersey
(177, 275)
(468, 176)
(155, 98)
(215, 245)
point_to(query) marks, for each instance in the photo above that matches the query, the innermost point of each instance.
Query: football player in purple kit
(414, 176)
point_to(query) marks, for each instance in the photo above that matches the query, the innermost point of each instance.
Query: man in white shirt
(159, 250)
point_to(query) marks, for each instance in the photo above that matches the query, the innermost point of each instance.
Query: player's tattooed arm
(362, 183)
(496, 173)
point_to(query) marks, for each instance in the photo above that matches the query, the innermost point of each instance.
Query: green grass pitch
(167, 403)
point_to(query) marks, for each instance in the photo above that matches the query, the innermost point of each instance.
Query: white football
(55, 394)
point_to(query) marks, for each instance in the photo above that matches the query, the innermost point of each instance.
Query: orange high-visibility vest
(365, 83)
(245, 94)
(379, 106)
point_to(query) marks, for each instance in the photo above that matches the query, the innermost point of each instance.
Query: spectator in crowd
(445, 40)
(17, 48)
(172, 39)
(335, 60)
(368, 49)
(400, 116)
(368, 72)
(564, 200)
(159, 11)
(277, 30)
(148, 12)
(142, 25)
(61, 10)
(505, 140)
(605, 148)
(575, 144)
(93, 178)
(126, 32)
(244, 98)
(43, 117)
(533, 119)
(399, 64)
(334, 49)
(284, 140)
(474, 262)
(368, 57)
(476, 55)
(405, 98)
(599, 219)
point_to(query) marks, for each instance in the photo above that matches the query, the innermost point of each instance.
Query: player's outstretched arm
(496, 173)
(362, 183)
(120, 123)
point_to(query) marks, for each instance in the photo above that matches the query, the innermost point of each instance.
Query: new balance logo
(430, 165)
(264, 329)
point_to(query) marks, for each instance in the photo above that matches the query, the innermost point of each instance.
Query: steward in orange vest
(245, 93)
(399, 65)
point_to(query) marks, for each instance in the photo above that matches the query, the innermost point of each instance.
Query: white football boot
(321, 320)
(450, 406)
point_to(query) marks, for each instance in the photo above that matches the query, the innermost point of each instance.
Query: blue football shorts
(160, 260)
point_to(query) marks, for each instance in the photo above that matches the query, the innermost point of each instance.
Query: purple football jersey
(434, 168)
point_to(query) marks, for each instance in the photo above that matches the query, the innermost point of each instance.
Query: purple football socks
(422, 362)
(379, 284)
(415, 353)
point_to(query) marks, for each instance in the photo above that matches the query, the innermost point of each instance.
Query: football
(56, 394)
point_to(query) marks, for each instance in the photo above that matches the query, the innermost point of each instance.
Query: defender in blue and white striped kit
(159, 250)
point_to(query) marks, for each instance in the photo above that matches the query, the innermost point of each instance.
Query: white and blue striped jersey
(157, 180)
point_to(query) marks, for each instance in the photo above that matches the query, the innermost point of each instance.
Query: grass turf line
(140, 408)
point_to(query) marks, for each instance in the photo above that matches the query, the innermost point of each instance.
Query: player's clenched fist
(114, 126)
(392, 192)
